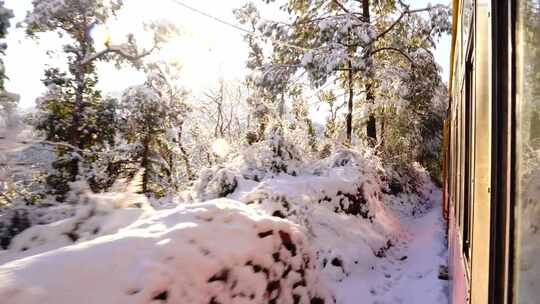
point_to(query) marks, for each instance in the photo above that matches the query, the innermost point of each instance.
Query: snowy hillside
(333, 232)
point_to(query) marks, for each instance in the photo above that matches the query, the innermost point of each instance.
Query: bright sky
(207, 49)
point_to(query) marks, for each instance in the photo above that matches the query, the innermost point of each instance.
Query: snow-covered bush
(256, 162)
(340, 203)
(408, 189)
(85, 215)
(12, 222)
(217, 252)
(278, 237)
(349, 186)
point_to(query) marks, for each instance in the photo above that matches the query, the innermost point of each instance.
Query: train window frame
(467, 25)
(503, 153)
(465, 167)
(468, 174)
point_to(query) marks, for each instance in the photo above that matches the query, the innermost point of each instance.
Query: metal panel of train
(491, 164)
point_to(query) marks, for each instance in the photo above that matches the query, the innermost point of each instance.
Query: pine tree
(70, 110)
(269, 77)
(8, 101)
(152, 116)
(335, 40)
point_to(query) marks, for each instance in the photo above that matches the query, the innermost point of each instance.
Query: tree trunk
(75, 130)
(261, 128)
(350, 103)
(383, 126)
(145, 163)
(185, 156)
(282, 106)
(171, 170)
(76, 124)
(371, 127)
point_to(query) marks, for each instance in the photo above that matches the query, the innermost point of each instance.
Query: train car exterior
(491, 164)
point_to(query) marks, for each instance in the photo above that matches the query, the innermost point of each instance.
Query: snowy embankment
(336, 231)
(410, 271)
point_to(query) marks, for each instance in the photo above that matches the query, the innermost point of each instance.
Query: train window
(526, 262)
(467, 17)
(468, 161)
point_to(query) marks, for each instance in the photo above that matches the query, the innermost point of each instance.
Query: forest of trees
(370, 64)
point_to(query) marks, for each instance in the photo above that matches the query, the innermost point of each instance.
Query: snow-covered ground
(333, 231)
(409, 272)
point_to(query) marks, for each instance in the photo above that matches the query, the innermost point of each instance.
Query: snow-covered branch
(393, 49)
(407, 11)
(119, 50)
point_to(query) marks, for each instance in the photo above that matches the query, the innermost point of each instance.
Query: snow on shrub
(261, 160)
(12, 222)
(221, 251)
(343, 201)
(409, 190)
(342, 208)
(215, 183)
(85, 216)
(251, 250)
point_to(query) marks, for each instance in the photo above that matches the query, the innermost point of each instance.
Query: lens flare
(220, 147)
(100, 35)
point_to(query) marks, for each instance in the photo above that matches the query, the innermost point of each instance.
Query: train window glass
(457, 60)
(454, 163)
(455, 132)
(466, 20)
(468, 162)
(459, 163)
(526, 287)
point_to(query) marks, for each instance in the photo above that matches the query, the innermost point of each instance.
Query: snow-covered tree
(152, 117)
(5, 16)
(343, 40)
(8, 101)
(164, 78)
(226, 110)
(268, 79)
(71, 111)
(143, 116)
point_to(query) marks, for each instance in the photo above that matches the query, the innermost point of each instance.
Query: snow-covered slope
(216, 252)
(409, 273)
(333, 230)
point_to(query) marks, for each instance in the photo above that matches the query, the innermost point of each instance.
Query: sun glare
(221, 147)
(100, 35)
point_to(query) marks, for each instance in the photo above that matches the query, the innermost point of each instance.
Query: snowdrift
(217, 252)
